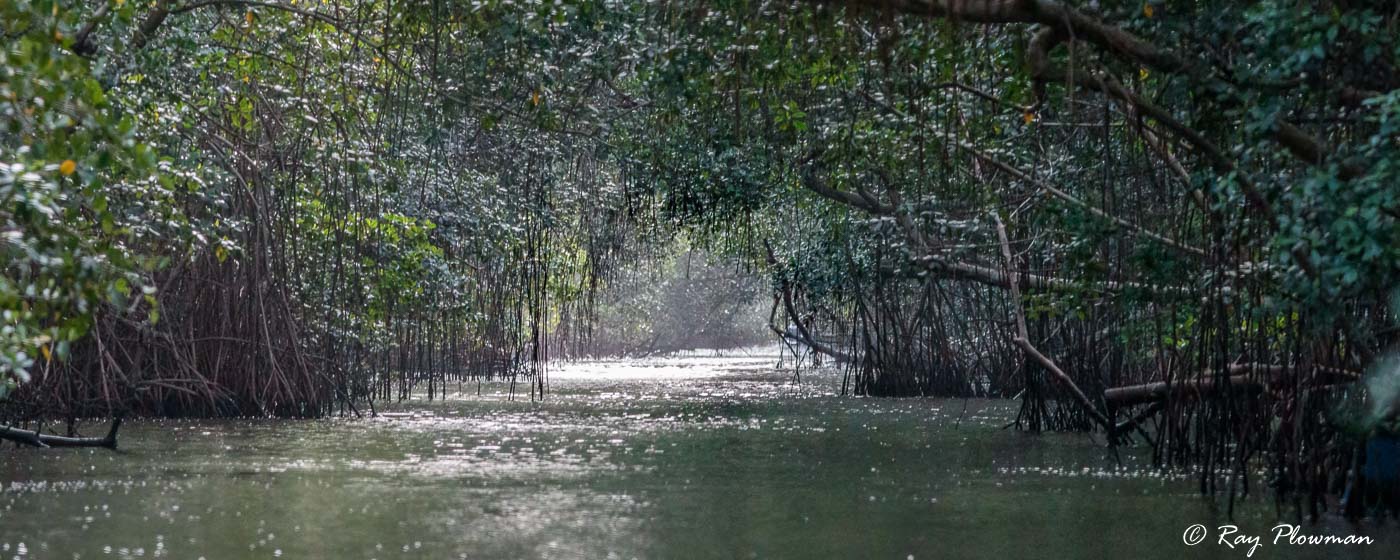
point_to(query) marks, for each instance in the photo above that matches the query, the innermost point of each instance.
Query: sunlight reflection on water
(700, 456)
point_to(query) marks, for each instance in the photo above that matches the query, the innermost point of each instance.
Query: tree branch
(1241, 376)
(1022, 338)
(803, 333)
(35, 439)
(1043, 186)
(965, 270)
(82, 41)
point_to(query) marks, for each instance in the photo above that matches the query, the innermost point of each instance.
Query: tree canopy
(291, 207)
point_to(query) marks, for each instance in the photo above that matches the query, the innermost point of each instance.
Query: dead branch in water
(35, 439)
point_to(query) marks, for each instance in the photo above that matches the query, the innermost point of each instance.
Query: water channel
(704, 456)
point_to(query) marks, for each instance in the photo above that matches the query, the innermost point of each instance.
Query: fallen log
(1249, 378)
(35, 439)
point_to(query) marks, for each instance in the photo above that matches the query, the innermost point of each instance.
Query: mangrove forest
(699, 279)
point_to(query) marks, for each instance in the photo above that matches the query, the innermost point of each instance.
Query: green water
(699, 457)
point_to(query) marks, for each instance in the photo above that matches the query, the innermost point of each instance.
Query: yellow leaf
(44, 349)
(1142, 73)
(1028, 117)
(248, 16)
(67, 167)
(1147, 10)
(535, 98)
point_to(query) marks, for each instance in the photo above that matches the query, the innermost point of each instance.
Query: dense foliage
(1174, 213)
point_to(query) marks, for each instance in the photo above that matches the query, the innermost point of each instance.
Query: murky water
(701, 457)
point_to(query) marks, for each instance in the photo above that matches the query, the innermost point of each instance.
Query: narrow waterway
(696, 457)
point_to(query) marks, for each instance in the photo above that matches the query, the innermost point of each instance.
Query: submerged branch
(35, 439)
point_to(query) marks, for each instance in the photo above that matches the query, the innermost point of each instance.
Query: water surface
(694, 457)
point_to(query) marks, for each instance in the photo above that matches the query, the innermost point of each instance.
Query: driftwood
(35, 439)
(1248, 379)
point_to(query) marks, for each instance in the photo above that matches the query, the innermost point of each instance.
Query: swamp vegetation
(1174, 225)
